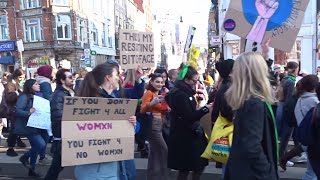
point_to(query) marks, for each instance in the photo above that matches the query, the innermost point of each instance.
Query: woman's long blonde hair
(249, 79)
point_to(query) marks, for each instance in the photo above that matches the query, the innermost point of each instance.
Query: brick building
(58, 30)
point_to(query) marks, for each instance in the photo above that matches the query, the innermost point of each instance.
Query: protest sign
(136, 48)
(260, 20)
(41, 118)
(97, 109)
(96, 130)
(194, 56)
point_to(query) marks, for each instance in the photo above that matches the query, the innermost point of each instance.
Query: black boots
(33, 173)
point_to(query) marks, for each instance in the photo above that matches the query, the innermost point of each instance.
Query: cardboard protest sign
(259, 20)
(97, 109)
(96, 150)
(136, 48)
(96, 130)
(41, 118)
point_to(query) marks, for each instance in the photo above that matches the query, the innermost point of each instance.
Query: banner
(260, 20)
(136, 48)
(96, 130)
(41, 118)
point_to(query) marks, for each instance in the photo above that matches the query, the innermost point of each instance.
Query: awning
(7, 60)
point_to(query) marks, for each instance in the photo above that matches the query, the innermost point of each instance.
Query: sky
(193, 13)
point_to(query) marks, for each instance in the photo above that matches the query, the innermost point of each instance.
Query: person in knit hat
(44, 79)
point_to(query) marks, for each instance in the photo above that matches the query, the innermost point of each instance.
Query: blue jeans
(46, 137)
(130, 170)
(38, 145)
(309, 174)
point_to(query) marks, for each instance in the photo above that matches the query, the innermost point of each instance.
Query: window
(117, 20)
(3, 28)
(109, 38)
(82, 30)
(94, 33)
(63, 27)
(61, 2)
(33, 30)
(28, 4)
(103, 35)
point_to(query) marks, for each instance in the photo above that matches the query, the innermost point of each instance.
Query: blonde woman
(254, 151)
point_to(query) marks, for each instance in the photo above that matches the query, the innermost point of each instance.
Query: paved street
(10, 168)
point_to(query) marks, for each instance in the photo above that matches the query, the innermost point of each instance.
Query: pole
(315, 41)
(21, 59)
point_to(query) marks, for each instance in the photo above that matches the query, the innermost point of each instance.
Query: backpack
(305, 132)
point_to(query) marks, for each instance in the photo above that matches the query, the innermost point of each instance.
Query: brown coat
(12, 92)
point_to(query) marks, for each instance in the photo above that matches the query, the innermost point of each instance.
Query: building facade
(58, 30)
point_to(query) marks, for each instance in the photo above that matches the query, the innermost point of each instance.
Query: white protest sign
(41, 118)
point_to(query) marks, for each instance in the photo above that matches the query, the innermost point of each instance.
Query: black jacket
(220, 104)
(185, 143)
(253, 152)
(314, 149)
(56, 104)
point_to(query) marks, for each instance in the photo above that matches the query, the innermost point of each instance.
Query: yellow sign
(194, 55)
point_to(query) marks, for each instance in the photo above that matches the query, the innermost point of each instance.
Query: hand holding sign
(133, 120)
(266, 9)
(32, 110)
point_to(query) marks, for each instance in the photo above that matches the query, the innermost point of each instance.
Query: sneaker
(33, 173)
(302, 159)
(45, 161)
(2, 137)
(25, 161)
(289, 164)
(12, 153)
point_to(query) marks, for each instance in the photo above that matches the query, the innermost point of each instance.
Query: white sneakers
(302, 159)
(289, 164)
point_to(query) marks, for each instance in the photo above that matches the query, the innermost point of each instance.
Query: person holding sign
(152, 103)
(102, 81)
(38, 137)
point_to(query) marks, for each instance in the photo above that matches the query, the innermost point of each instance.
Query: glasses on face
(194, 80)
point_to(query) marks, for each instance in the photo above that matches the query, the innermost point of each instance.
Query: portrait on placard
(260, 20)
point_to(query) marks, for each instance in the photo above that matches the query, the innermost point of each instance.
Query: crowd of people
(268, 106)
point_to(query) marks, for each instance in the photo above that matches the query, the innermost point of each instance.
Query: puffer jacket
(56, 105)
(45, 86)
(24, 104)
